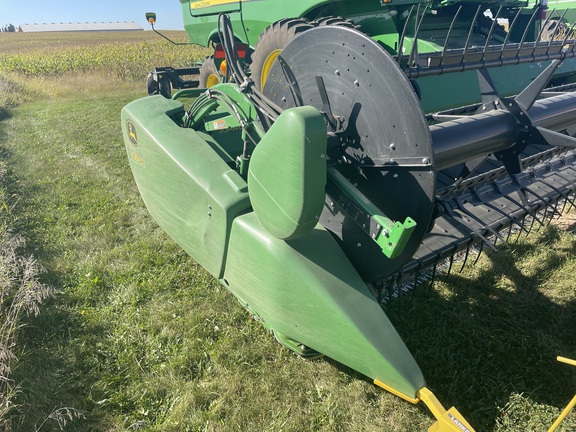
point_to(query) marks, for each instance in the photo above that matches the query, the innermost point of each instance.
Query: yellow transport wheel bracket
(572, 403)
(447, 421)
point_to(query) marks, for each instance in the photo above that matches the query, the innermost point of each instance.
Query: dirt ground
(566, 222)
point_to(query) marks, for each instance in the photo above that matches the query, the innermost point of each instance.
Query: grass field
(137, 336)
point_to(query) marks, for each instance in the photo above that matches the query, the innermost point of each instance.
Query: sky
(17, 12)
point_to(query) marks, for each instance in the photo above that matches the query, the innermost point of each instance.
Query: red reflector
(219, 53)
(241, 48)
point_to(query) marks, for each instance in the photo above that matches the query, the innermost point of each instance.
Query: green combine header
(337, 152)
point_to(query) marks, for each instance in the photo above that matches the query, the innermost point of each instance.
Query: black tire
(554, 29)
(339, 21)
(151, 85)
(165, 87)
(209, 75)
(270, 43)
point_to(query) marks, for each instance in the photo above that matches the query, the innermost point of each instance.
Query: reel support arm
(391, 236)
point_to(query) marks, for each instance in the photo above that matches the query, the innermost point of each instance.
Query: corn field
(123, 60)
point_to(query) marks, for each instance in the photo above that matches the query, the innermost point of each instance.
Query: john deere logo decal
(132, 133)
(209, 3)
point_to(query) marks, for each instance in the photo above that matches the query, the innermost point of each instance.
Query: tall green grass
(21, 293)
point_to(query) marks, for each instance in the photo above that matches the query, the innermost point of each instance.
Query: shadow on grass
(480, 339)
(5, 113)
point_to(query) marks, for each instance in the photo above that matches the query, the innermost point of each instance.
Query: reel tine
(448, 35)
(491, 32)
(547, 204)
(567, 196)
(390, 289)
(509, 32)
(566, 199)
(479, 252)
(518, 203)
(532, 224)
(378, 288)
(477, 219)
(560, 193)
(450, 264)
(502, 212)
(572, 201)
(542, 200)
(568, 33)
(414, 50)
(544, 208)
(542, 27)
(470, 32)
(433, 278)
(403, 35)
(466, 255)
(509, 233)
(520, 232)
(528, 26)
(556, 29)
(413, 290)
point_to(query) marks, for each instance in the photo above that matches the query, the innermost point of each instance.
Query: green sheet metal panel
(186, 184)
(259, 14)
(287, 175)
(310, 292)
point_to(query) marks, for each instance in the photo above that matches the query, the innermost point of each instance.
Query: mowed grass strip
(139, 336)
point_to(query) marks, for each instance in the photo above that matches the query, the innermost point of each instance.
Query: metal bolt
(395, 176)
(425, 161)
(337, 72)
(359, 245)
(392, 146)
(357, 83)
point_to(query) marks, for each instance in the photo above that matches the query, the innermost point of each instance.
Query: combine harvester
(343, 152)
